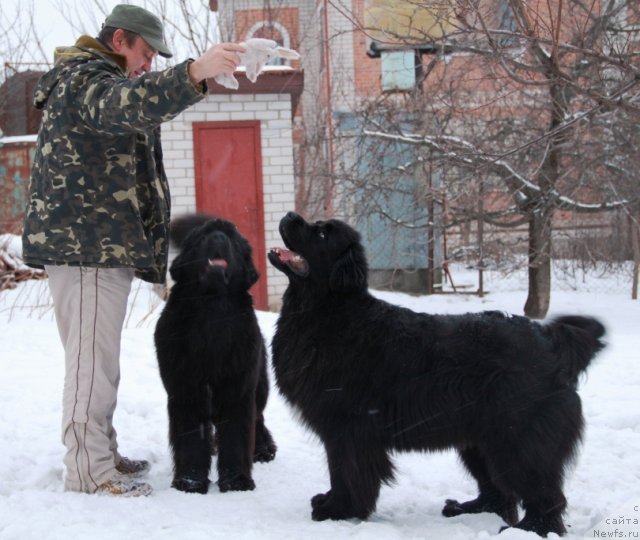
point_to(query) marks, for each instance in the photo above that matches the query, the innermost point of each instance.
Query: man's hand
(218, 59)
(258, 52)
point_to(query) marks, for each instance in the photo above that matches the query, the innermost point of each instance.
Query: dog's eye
(322, 235)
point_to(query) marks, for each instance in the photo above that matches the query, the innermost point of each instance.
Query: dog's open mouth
(219, 262)
(293, 260)
(217, 266)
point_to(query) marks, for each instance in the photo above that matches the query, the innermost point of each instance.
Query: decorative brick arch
(257, 30)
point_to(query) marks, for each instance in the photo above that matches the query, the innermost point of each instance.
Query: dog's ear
(186, 233)
(178, 270)
(182, 226)
(251, 273)
(349, 272)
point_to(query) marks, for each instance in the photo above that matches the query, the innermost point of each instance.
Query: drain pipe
(328, 202)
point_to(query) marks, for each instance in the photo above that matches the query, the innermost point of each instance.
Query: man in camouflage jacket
(98, 213)
(99, 194)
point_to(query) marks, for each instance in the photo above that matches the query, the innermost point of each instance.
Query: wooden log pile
(12, 268)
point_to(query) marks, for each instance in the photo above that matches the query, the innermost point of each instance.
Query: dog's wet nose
(217, 239)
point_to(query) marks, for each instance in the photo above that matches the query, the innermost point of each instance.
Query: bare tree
(190, 26)
(535, 104)
(20, 42)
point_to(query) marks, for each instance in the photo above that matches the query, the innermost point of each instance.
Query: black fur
(371, 378)
(212, 358)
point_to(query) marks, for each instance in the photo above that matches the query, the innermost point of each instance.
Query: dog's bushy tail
(577, 340)
(183, 225)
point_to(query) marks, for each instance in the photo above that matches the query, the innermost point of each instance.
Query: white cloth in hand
(259, 52)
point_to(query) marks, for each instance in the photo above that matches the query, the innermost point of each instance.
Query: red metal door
(228, 169)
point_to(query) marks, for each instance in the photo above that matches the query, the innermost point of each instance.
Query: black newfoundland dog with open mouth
(370, 378)
(212, 358)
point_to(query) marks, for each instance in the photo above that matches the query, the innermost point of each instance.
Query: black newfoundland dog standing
(371, 378)
(212, 358)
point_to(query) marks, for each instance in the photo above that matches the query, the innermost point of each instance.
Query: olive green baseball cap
(139, 20)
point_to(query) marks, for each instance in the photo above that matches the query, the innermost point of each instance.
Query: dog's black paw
(452, 508)
(235, 481)
(541, 525)
(319, 499)
(264, 453)
(321, 508)
(325, 506)
(191, 485)
(507, 509)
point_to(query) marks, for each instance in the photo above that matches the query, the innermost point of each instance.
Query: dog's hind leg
(265, 447)
(534, 465)
(542, 499)
(543, 513)
(490, 498)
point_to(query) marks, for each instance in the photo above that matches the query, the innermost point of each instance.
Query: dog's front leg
(190, 440)
(357, 470)
(235, 433)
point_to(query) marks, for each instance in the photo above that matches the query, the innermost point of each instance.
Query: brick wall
(367, 71)
(274, 113)
(16, 158)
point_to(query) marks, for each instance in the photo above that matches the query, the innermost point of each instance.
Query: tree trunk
(635, 246)
(537, 303)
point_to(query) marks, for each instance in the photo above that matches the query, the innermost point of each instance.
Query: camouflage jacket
(98, 191)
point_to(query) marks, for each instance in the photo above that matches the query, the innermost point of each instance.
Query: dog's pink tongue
(218, 262)
(287, 256)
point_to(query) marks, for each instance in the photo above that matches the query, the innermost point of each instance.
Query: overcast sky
(53, 28)
(50, 25)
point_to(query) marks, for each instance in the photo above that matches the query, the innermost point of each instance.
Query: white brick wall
(274, 113)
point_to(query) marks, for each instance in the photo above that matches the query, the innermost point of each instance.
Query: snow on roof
(18, 139)
(269, 68)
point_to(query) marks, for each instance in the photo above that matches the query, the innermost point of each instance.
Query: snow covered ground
(603, 489)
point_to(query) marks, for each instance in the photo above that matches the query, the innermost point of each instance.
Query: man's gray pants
(90, 306)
